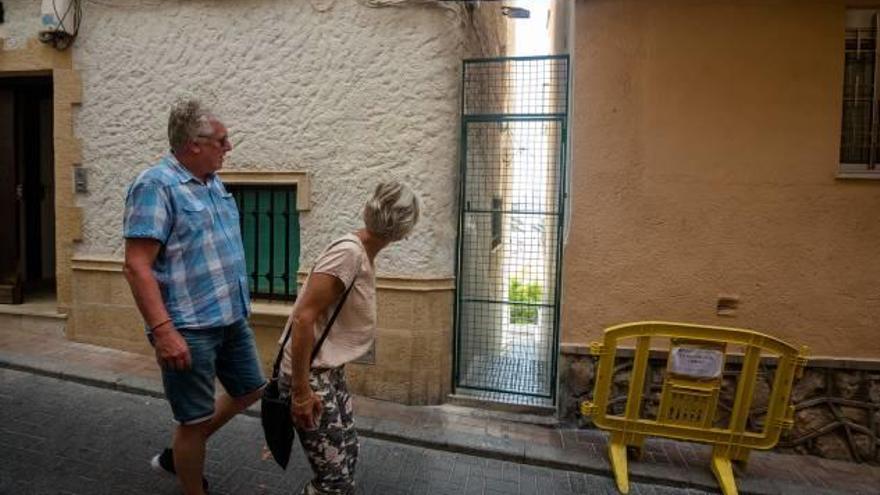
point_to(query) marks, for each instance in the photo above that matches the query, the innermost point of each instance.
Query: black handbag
(275, 409)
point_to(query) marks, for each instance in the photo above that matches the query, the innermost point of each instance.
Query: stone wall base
(411, 362)
(837, 402)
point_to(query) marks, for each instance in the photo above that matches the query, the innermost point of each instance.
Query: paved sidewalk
(482, 433)
(62, 437)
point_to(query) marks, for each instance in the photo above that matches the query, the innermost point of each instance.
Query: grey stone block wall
(837, 403)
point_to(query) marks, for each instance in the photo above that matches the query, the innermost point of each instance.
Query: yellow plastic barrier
(690, 391)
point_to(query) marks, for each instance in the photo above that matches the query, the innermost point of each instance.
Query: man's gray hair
(188, 119)
(392, 212)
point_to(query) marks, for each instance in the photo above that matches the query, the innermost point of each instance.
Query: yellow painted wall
(705, 148)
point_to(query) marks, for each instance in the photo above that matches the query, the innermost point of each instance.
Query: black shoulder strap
(320, 342)
(330, 323)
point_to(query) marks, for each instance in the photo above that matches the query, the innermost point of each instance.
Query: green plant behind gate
(526, 293)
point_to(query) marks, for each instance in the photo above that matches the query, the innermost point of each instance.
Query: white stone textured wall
(351, 95)
(22, 21)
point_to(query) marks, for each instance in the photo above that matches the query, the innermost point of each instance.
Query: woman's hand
(306, 410)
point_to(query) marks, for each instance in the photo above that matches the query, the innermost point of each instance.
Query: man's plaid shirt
(201, 266)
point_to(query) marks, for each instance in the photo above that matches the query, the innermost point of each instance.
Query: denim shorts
(227, 353)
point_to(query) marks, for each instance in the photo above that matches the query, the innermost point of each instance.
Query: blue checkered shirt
(201, 267)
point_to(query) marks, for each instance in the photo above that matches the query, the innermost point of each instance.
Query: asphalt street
(59, 437)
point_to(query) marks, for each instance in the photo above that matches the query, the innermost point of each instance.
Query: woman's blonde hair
(392, 212)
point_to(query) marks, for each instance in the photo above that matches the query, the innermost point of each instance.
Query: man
(185, 264)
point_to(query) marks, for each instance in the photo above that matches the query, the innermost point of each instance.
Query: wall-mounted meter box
(58, 15)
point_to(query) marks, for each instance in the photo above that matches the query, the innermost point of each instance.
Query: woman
(343, 274)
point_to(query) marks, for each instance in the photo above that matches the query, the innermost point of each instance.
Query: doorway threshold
(37, 315)
(501, 401)
(42, 303)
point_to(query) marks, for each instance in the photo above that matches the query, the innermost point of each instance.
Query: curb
(488, 447)
(85, 376)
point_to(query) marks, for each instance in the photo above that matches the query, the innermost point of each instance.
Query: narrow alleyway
(61, 437)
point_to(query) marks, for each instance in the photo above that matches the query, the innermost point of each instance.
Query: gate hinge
(597, 349)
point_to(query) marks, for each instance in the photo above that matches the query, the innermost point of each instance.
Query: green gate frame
(560, 200)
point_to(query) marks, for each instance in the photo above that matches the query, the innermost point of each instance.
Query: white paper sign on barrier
(696, 362)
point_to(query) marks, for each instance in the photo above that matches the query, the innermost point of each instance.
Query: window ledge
(270, 314)
(273, 178)
(858, 175)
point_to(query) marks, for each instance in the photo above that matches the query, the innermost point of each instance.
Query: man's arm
(322, 290)
(171, 349)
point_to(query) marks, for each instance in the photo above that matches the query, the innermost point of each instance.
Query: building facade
(322, 99)
(722, 171)
(722, 174)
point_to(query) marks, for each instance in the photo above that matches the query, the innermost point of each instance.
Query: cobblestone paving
(59, 437)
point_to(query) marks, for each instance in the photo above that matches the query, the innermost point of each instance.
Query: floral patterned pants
(332, 448)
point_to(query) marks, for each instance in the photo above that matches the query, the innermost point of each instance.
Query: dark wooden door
(10, 197)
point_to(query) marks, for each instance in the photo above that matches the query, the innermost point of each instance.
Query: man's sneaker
(164, 463)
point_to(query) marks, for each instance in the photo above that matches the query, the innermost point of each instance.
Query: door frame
(36, 59)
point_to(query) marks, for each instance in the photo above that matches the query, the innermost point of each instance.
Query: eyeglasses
(221, 141)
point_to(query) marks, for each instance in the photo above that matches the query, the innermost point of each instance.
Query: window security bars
(859, 143)
(269, 223)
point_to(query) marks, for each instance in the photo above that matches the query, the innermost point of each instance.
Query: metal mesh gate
(513, 132)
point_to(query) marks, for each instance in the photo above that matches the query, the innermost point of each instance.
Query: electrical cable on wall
(131, 4)
(463, 10)
(455, 7)
(66, 20)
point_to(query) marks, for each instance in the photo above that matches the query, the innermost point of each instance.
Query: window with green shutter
(270, 233)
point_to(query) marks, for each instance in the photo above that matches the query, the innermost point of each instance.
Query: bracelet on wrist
(163, 322)
(302, 403)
